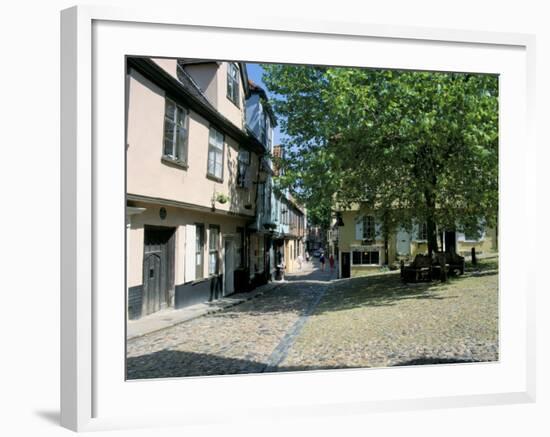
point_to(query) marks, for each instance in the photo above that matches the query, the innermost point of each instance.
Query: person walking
(322, 261)
(300, 261)
(331, 262)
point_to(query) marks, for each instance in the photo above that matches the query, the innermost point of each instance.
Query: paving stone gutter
(281, 350)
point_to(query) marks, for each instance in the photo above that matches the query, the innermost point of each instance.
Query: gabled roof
(242, 69)
(186, 91)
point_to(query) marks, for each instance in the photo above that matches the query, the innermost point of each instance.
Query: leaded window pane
(170, 110)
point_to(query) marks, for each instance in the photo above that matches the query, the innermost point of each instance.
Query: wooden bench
(455, 262)
(419, 270)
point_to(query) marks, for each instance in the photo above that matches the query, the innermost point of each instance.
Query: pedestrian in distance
(331, 262)
(307, 256)
(322, 261)
(300, 261)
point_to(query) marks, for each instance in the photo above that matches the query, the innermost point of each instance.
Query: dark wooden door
(346, 265)
(450, 241)
(158, 271)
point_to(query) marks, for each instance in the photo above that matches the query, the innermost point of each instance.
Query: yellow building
(361, 248)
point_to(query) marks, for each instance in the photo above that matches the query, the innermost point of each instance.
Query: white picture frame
(92, 394)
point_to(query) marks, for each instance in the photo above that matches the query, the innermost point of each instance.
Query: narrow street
(249, 338)
(314, 322)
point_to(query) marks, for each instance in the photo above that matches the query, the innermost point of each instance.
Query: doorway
(403, 245)
(346, 265)
(158, 268)
(229, 267)
(450, 241)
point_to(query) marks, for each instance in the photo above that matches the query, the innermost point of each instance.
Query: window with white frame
(199, 251)
(213, 249)
(215, 154)
(423, 231)
(175, 131)
(368, 228)
(368, 257)
(243, 161)
(233, 83)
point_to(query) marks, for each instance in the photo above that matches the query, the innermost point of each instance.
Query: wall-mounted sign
(371, 248)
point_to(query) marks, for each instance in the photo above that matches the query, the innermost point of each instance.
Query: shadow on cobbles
(172, 364)
(177, 364)
(436, 360)
(389, 290)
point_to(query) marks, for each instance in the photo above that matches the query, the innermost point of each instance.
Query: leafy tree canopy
(408, 143)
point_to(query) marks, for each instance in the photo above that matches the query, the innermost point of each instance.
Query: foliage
(222, 198)
(408, 143)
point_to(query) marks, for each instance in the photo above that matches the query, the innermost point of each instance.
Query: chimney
(277, 153)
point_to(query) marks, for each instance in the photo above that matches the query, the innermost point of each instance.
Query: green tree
(420, 145)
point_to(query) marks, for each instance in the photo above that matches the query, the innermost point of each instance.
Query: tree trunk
(386, 233)
(386, 255)
(430, 222)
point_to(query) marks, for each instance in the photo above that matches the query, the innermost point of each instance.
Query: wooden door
(229, 268)
(450, 241)
(346, 265)
(158, 268)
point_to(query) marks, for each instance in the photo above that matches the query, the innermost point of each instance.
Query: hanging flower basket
(222, 198)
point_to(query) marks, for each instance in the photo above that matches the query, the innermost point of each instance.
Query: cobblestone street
(311, 322)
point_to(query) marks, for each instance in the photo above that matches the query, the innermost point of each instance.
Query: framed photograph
(291, 218)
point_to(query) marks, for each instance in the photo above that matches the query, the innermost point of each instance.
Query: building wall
(346, 241)
(149, 175)
(178, 218)
(168, 65)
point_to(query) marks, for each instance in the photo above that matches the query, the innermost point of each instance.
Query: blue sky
(255, 72)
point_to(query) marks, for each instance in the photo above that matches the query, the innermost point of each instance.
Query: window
(233, 83)
(365, 257)
(215, 154)
(368, 228)
(243, 160)
(263, 128)
(423, 231)
(256, 254)
(175, 132)
(269, 134)
(473, 234)
(199, 251)
(261, 201)
(213, 244)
